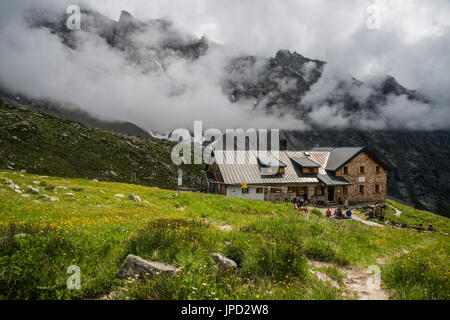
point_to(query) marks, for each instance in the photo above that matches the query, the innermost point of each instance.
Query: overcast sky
(411, 43)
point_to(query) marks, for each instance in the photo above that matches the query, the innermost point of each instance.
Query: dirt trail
(359, 283)
(398, 213)
(364, 285)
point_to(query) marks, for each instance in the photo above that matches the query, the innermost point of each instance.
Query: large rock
(224, 262)
(134, 198)
(134, 266)
(32, 190)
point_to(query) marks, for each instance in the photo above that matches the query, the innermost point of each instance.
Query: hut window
(362, 170)
(303, 191)
(259, 190)
(281, 170)
(245, 191)
(319, 191)
(345, 190)
(378, 170)
(345, 170)
(377, 188)
(361, 189)
(275, 190)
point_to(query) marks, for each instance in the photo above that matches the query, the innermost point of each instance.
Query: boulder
(44, 196)
(134, 198)
(135, 266)
(224, 262)
(69, 195)
(95, 180)
(32, 190)
(119, 195)
(20, 236)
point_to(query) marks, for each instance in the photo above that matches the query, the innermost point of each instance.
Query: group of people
(377, 211)
(301, 204)
(339, 214)
(430, 228)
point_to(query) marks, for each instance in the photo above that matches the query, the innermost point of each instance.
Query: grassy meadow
(272, 244)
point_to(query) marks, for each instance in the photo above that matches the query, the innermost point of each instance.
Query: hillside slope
(280, 253)
(42, 144)
(72, 113)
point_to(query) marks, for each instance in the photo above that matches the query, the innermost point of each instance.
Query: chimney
(283, 144)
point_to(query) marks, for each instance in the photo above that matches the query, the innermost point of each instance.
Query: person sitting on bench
(349, 214)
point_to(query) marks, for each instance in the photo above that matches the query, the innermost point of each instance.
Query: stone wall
(368, 180)
(285, 194)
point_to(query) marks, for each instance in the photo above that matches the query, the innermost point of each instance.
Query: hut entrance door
(331, 194)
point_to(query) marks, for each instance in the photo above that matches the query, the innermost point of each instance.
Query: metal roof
(340, 156)
(270, 162)
(306, 162)
(323, 149)
(239, 167)
(333, 181)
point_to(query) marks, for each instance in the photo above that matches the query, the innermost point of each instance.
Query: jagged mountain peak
(286, 57)
(125, 15)
(162, 40)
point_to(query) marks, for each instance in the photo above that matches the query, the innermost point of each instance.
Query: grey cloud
(105, 83)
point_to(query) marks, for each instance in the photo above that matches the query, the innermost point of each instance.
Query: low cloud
(105, 83)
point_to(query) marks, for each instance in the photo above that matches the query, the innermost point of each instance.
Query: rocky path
(398, 213)
(360, 284)
(369, 223)
(364, 285)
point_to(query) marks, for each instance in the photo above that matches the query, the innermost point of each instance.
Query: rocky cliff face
(291, 83)
(148, 44)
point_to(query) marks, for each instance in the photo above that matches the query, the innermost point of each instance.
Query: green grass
(271, 243)
(422, 274)
(411, 218)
